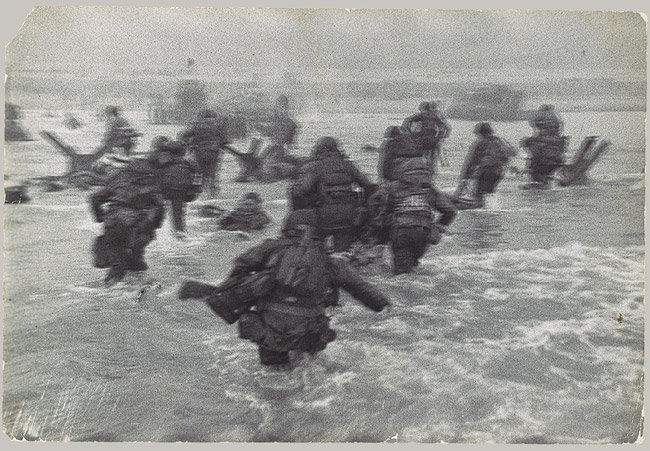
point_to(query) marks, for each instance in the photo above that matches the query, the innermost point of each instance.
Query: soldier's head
(251, 201)
(207, 114)
(546, 107)
(174, 147)
(297, 221)
(159, 142)
(424, 106)
(483, 129)
(112, 110)
(324, 145)
(393, 131)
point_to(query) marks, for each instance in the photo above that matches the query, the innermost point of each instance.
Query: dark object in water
(232, 297)
(576, 172)
(16, 195)
(77, 162)
(52, 187)
(210, 211)
(465, 197)
(15, 132)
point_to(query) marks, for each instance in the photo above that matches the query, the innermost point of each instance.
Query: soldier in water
(131, 208)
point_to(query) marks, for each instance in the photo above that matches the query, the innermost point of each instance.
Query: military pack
(302, 268)
(496, 152)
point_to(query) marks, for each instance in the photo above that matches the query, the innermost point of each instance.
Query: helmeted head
(207, 114)
(324, 145)
(159, 142)
(546, 107)
(483, 129)
(296, 221)
(424, 106)
(392, 131)
(254, 197)
(174, 147)
(112, 110)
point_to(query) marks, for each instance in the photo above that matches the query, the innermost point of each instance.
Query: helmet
(112, 110)
(483, 129)
(175, 147)
(253, 196)
(207, 114)
(546, 107)
(424, 106)
(296, 218)
(326, 144)
(392, 131)
(159, 142)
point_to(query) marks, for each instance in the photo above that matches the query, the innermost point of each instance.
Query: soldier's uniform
(402, 214)
(292, 316)
(248, 216)
(131, 208)
(337, 189)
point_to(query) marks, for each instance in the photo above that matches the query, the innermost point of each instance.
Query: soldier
(486, 161)
(401, 214)
(546, 147)
(289, 315)
(178, 177)
(277, 163)
(397, 144)
(546, 122)
(131, 208)
(206, 137)
(248, 216)
(428, 129)
(119, 133)
(337, 189)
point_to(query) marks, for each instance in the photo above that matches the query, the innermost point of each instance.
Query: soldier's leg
(269, 357)
(403, 260)
(178, 207)
(116, 239)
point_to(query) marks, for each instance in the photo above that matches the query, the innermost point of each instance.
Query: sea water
(524, 325)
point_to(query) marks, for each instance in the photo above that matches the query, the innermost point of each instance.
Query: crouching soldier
(402, 214)
(131, 208)
(284, 287)
(248, 216)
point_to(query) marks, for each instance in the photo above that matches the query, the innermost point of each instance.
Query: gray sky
(356, 39)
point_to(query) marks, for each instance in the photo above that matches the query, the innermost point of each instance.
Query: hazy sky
(356, 39)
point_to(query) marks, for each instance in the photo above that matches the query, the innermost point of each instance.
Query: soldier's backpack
(411, 170)
(496, 152)
(181, 176)
(302, 268)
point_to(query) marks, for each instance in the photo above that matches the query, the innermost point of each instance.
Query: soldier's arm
(442, 203)
(346, 278)
(304, 186)
(256, 258)
(97, 201)
(471, 161)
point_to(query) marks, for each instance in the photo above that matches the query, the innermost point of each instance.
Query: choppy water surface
(526, 324)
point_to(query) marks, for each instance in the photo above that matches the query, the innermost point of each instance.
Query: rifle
(232, 297)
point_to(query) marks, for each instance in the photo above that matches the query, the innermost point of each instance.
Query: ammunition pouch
(251, 327)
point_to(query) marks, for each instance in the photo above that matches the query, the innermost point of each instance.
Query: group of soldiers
(279, 290)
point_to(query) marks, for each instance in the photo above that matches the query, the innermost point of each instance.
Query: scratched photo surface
(524, 324)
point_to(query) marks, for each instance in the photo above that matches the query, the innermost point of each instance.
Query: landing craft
(489, 103)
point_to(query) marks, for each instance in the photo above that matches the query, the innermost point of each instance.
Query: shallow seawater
(524, 325)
